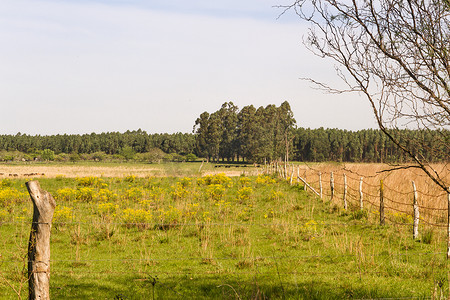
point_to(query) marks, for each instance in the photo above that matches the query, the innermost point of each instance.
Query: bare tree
(396, 53)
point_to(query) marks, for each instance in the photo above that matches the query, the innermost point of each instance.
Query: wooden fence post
(320, 185)
(39, 243)
(361, 205)
(304, 187)
(382, 221)
(292, 174)
(448, 223)
(345, 192)
(416, 213)
(332, 186)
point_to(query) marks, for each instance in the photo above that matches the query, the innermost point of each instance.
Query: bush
(98, 156)
(128, 153)
(48, 154)
(191, 157)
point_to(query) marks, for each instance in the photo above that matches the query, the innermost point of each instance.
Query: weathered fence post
(345, 192)
(332, 186)
(361, 205)
(320, 185)
(448, 222)
(381, 203)
(416, 213)
(292, 174)
(304, 187)
(39, 243)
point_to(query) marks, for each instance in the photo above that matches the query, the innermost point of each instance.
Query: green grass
(213, 237)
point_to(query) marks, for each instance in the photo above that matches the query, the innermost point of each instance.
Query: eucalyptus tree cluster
(250, 134)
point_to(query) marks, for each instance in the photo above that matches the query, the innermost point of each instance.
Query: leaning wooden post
(39, 243)
(416, 213)
(320, 185)
(361, 205)
(332, 186)
(345, 192)
(382, 221)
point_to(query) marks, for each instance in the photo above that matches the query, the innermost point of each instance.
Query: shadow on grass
(216, 287)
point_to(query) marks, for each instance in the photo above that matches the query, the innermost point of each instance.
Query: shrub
(264, 180)
(85, 194)
(6, 182)
(62, 215)
(244, 181)
(9, 196)
(4, 214)
(245, 193)
(105, 195)
(136, 218)
(48, 154)
(128, 153)
(215, 191)
(107, 211)
(191, 157)
(135, 193)
(130, 178)
(178, 191)
(91, 181)
(65, 194)
(216, 179)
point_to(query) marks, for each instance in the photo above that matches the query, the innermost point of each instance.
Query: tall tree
(229, 116)
(396, 53)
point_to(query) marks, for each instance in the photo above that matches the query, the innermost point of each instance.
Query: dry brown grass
(398, 188)
(52, 171)
(116, 170)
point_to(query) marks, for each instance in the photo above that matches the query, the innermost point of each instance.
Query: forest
(252, 135)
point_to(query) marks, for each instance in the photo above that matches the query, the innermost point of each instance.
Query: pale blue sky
(97, 66)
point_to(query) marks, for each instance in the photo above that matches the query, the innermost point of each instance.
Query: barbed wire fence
(345, 189)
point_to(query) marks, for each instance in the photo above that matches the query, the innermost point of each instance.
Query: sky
(87, 66)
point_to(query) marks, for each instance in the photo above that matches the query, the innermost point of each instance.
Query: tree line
(369, 145)
(250, 134)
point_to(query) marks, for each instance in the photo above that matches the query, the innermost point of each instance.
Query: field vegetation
(183, 235)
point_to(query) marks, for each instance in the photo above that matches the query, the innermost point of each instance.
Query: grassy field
(149, 236)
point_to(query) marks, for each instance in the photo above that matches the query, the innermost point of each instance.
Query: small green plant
(427, 236)
(359, 215)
